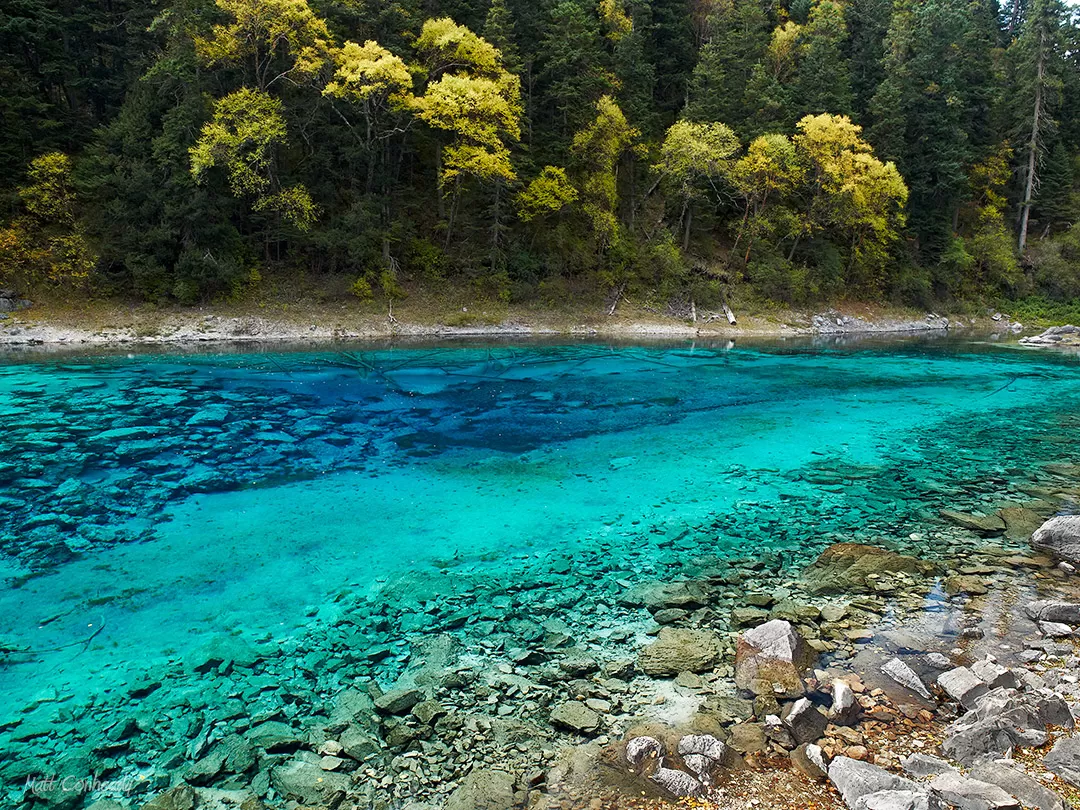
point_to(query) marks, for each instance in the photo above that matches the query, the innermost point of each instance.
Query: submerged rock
(981, 524)
(304, 779)
(677, 650)
(853, 567)
(483, 789)
(771, 659)
(575, 716)
(1061, 537)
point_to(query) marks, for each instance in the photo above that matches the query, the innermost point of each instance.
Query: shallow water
(151, 504)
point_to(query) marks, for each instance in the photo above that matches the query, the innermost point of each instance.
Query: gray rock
(906, 677)
(642, 749)
(358, 743)
(1060, 536)
(855, 779)
(963, 686)
(1048, 610)
(1064, 760)
(1017, 783)
(678, 650)
(483, 789)
(845, 708)
(994, 675)
(895, 800)
(852, 567)
(575, 716)
(656, 596)
(1055, 629)
(981, 741)
(771, 659)
(922, 765)
(398, 701)
(704, 744)
(804, 721)
(971, 794)
(937, 661)
(677, 783)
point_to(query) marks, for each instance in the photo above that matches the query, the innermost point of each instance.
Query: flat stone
(963, 686)
(1017, 783)
(303, 779)
(483, 789)
(922, 765)
(994, 675)
(854, 567)
(971, 794)
(1054, 611)
(575, 716)
(855, 779)
(982, 524)
(895, 800)
(398, 701)
(1064, 760)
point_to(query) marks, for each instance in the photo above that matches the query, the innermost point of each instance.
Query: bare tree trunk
(1033, 144)
(686, 228)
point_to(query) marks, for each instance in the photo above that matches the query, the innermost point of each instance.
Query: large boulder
(678, 650)
(483, 789)
(960, 791)
(853, 567)
(982, 524)
(771, 659)
(855, 780)
(895, 800)
(1060, 536)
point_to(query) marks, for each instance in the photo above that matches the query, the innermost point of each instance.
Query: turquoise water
(150, 505)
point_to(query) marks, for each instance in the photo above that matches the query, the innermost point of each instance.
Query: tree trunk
(1033, 144)
(686, 228)
(495, 227)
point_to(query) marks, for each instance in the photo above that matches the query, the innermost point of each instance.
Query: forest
(187, 151)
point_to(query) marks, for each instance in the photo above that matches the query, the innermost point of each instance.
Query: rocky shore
(1056, 336)
(23, 325)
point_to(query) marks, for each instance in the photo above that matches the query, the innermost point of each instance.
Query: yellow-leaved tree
(691, 155)
(470, 95)
(598, 149)
(853, 196)
(272, 42)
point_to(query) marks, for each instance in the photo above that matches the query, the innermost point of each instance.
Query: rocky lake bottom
(531, 576)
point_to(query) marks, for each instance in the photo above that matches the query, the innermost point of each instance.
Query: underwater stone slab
(852, 567)
(678, 650)
(483, 789)
(575, 716)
